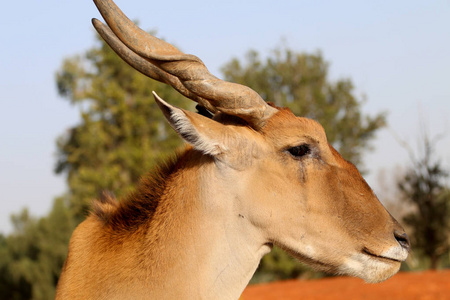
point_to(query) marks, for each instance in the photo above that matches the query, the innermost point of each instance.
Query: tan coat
(254, 176)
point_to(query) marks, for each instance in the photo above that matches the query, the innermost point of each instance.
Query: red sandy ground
(427, 285)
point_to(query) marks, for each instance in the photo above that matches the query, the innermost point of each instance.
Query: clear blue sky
(396, 52)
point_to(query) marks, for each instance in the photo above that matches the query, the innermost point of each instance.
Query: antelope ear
(202, 133)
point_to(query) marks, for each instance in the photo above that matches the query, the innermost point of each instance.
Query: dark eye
(299, 151)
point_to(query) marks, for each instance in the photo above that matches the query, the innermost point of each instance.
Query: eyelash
(300, 151)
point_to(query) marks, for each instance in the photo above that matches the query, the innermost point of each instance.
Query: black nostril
(402, 239)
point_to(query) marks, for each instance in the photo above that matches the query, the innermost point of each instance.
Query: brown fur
(190, 226)
(138, 208)
(124, 243)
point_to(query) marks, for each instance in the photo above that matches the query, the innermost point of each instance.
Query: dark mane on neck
(138, 208)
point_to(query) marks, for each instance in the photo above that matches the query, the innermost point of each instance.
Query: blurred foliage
(32, 256)
(300, 81)
(122, 134)
(424, 186)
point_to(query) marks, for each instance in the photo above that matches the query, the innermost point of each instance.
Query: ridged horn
(186, 73)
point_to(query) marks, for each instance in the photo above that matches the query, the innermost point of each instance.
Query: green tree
(424, 186)
(32, 256)
(122, 132)
(300, 81)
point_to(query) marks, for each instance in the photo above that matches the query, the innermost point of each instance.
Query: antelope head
(274, 173)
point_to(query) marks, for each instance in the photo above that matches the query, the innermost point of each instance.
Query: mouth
(379, 257)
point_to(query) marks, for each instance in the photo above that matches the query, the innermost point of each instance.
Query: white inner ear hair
(190, 134)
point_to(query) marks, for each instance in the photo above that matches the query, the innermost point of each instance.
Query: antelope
(252, 176)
